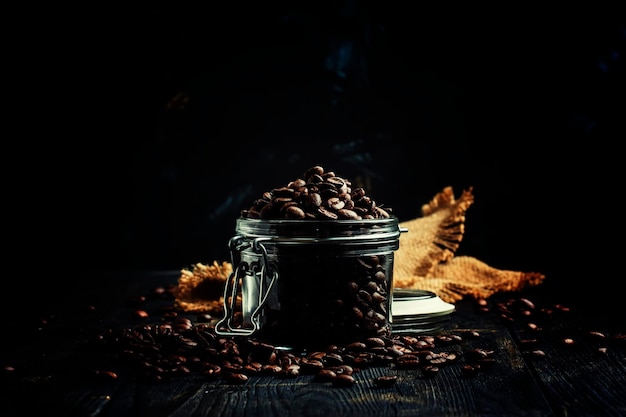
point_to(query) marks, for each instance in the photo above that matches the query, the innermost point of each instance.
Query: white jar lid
(418, 311)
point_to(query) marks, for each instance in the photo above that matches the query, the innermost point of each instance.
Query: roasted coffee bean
(470, 370)
(106, 375)
(537, 353)
(525, 303)
(568, 341)
(294, 212)
(435, 359)
(291, 371)
(430, 371)
(142, 314)
(380, 213)
(343, 380)
(325, 214)
(332, 359)
(270, 369)
(211, 370)
(324, 375)
(285, 193)
(312, 201)
(341, 369)
(470, 334)
(363, 360)
(297, 184)
(533, 326)
(596, 335)
(356, 347)
(385, 381)
(335, 204)
(356, 314)
(237, 378)
(345, 213)
(311, 365)
(382, 359)
(475, 355)
(527, 343)
(378, 299)
(252, 368)
(408, 361)
(375, 342)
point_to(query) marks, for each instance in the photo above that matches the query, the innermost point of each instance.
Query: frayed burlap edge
(464, 276)
(425, 259)
(200, 288)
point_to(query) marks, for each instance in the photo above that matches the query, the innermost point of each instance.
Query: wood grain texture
(54, 368)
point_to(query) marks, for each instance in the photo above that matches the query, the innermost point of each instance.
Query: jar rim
(319, 231)
(390, 219)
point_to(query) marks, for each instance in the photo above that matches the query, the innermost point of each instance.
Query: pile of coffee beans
(320, 195)
(175, 345)
(165, 349)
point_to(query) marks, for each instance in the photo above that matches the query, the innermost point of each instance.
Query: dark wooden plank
(576, 353)
(449, 393)
(56, 362)
(59, 378)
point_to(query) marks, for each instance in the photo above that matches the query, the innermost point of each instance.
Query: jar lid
(418, 311)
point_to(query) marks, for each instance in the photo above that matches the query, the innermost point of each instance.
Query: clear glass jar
(311, 283)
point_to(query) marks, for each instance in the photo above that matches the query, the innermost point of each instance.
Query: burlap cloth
(425, 260)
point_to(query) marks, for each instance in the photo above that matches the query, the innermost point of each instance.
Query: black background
(141, 133)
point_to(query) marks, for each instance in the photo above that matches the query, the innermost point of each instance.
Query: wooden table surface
(90, 353)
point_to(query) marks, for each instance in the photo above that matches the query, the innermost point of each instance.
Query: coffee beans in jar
(313, 265)
(318, 195)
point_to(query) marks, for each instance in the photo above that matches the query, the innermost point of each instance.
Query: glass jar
(311, 283)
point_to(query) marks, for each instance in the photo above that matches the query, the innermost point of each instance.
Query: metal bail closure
(253, 286)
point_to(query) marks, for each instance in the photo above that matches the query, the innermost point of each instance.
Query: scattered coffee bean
(596, 335)
(142, 314)
(537, 353)
(237, 378)
(470, 334)
(343, 380)
(106, 375)
(324, 375)
(385, 381)
(175, 345)
(429, 371)
(470, 370)
(532, 326)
